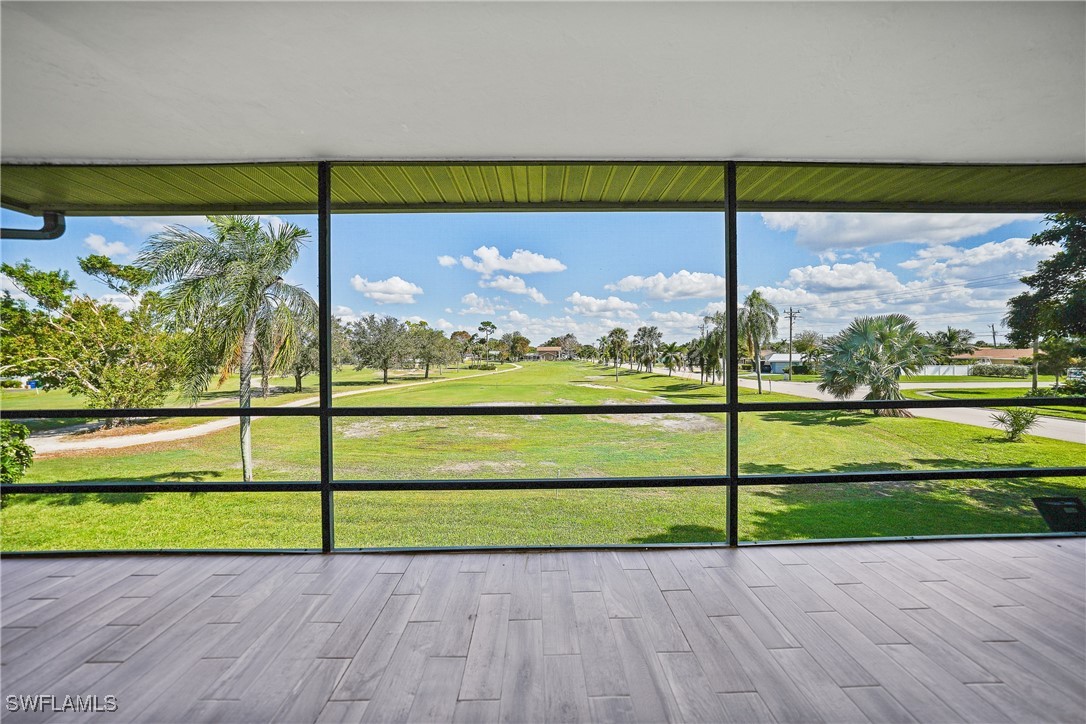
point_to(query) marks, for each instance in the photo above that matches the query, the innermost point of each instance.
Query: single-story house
(549, 353)
(992, 356)
(778, 362)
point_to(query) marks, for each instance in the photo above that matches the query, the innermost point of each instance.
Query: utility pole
(793, 315)
(993, 334)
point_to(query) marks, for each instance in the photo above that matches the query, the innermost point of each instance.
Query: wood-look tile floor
(979, 631)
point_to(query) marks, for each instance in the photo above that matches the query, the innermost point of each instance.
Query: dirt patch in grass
(375, 427)
(593, 386)
(503, 467)
(666, 422)
(506, 403)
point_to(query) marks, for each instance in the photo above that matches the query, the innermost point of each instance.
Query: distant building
(778, 362)
(992, 355)
(549, 353)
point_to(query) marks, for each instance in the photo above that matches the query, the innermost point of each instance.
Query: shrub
(1015, 421)
(798, 370)
(15, 454)
(1073, 388)
(9, 384)
(999, 370)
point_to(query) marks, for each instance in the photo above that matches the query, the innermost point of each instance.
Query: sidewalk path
(53, 441)
(1056, 428)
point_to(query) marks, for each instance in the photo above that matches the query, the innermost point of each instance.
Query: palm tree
(875, 351)
(646, 341)
(952, 342)
(616, 345)
(758, 323)
(671, 355)
(224, 289)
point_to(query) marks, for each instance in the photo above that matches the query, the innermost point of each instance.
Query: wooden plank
(616, 587)
(527, 601)
(346, 592)
(474, 562)
(712, 598)
(664, 571)
(772, 633)
(415, 574)
(583, 574)
(922, 704)
(960, 666)
(486, 653)
(825, 696)
(660, 623)
(745, 706)
(395, 562)
(437, 590)
(360, 679)
(837, 662)
(602, 664)
(724, 671)
(393, 698)
(879, 706)
(631, 560)
(523, 686)
(612, 709)
(343, 712)
(650, 692)
(565, 699)
(783, 577)
(559, 619)
(309, 697)
(454, 633)
(779, 692)
(178, 695)
(476, 711)
(868, 623)
(358, 621)
(956, 694)
(499, 573)
(435, 699)
(1013, 704)
(694, 695)
(553, 561)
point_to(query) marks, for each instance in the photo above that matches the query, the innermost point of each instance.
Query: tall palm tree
(616, 345)
(758, 323)
(225, 288)
(875, 351)
(671, 354)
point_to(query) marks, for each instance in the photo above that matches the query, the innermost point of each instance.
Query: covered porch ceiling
(145, 108)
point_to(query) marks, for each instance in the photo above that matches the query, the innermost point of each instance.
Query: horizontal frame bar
(499, 410)
(452, 484)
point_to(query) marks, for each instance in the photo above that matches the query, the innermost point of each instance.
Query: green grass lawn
(975, 378)
(666, 443)
(1066, 411)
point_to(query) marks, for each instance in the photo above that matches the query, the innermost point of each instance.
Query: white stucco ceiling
(186, 82)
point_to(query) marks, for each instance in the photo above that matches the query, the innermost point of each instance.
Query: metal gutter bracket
(52, 228)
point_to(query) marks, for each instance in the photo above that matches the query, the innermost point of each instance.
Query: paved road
(54, 441)
(1056, 428)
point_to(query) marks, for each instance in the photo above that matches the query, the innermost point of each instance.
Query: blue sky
(545, 274)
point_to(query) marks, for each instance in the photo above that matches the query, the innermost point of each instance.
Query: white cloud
(446, 260)
(517, 317)
(514, 285)
(489, 260)
(147, 225)
(822, 231)
(842, 277)
(393, 290)
(120, 301)
(445, 325)
(680, 285)
(686, 320)
(1015, 257)
(345, 314)
(474, 304)
(594, 307)
(98, 244)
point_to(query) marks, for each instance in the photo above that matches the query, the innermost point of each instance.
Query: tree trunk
(297, 382)
(384, 375)
(758, 365)
(1035, 363)
(245, 393)
(427, 375)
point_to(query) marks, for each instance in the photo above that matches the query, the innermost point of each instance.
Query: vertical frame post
(731, 245)
(324, 331)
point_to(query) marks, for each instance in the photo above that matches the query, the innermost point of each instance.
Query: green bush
(15, 454)
(798, 370)
(1000, 371)
(1015, 421)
